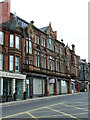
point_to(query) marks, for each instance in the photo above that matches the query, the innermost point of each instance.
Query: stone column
(24, 86)
(1, 86)
(47, 87)
(13, 86)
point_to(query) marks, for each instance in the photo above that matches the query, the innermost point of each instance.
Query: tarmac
(11, 103)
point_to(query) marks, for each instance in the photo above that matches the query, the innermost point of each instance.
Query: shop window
(17, 64)
(1, 61)
(1, 37)
(6, 86)
(11, 63)
(11, 40)
(17, 42)
(37, 38)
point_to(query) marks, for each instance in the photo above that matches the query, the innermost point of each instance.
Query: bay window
(17, 63)
(26, 46)
(11, 63)
(17, 42)
(30, 47)
(11, 40)
(1, 37)
(1, 61)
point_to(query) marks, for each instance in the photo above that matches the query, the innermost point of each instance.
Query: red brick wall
(4, 11)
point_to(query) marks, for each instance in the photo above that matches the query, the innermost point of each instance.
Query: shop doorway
(18, 89)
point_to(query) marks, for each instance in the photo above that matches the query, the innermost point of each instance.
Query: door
(19, 89)
(28, 88)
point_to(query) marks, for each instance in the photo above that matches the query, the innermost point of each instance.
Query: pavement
(35, 99)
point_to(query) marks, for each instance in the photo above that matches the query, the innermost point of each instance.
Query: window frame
(1, 61)
(17, 63)
(11, 62)
(17, 45)
(2, 37)
(12, 40)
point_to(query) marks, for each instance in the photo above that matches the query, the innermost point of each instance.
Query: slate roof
(44, 29)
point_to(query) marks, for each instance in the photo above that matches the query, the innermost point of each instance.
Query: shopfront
(51, 86)
(38, 86)
(11, 83)
(64, 87)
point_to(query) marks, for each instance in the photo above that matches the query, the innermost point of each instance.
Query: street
(70, 106)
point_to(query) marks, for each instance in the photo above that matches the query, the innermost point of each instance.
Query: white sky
(68, 17)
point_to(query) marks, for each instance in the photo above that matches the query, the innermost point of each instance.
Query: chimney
(55, 33)
(50, 24)
(73, 48)
(4, 11)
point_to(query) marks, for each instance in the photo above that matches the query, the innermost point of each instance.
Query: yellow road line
(63, 113)
(74, 107)
(38, 109)
(79, 113)
(13, 115)
(32, 116)
(60, 115)
(49, 116)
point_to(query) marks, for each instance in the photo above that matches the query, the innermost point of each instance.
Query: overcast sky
(68, 17)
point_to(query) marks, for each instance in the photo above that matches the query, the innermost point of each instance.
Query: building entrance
(18, 89)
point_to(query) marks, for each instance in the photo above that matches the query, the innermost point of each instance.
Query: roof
(44, 29)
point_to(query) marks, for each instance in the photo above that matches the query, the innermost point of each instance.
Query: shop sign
(12, 75)
(52, 81)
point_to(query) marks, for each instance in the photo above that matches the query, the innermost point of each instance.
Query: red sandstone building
(32, 60)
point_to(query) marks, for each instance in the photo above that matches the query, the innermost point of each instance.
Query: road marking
(13, 115)
(63, 113)
(49, 116)
(74, 107)
(32, 116)
(39, 109)
(79, 113)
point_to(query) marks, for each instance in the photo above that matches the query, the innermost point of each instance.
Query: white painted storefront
(10, 82)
